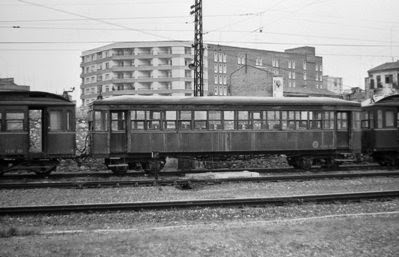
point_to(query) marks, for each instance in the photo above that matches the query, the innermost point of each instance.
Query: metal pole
(198, 49)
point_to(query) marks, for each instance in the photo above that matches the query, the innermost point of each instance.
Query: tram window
(15, 121)
(55, 120)
(228, 120)
(68, 121)
(371, 119)
(365, 120)
(137, 120)
(379, 119)
(315, 119)
(1, 121)
(397, 119)
(100, 121)
(215, 120)
(273, 120)
(185, 120)
(291, 124)
(154, 120)
(243, 120)
(303, 121)
(328, 120)
(342, 120)
(200, 119)
(117, 121)
(356, 120)
(389, 119)
(170, 120)
(258, 120)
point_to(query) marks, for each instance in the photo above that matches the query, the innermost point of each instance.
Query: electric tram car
(380, 129)
(131, 130)
(36, 129)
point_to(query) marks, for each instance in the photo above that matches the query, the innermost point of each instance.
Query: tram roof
(392, 100)
(223, 100)
(32, 98)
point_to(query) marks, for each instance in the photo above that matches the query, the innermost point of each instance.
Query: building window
(275, 62)
(220, 79)
(224, 68)
(220, 68)
(224, 80)
(304, 76)
(220, 57)
(259, 61)
(224, 58)
(388, 79)
(215, 57)
(304, 65)
(216, 79)
(216, 68)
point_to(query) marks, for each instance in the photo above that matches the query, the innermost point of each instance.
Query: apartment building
(138, 68)
(161, 68)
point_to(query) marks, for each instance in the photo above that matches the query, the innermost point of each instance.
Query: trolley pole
(196, 10)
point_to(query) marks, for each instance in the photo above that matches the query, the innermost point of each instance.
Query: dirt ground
(331, 235)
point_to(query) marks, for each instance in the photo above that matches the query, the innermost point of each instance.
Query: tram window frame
(316, 119)
(151, 122)
(100, 123)
(69, 123)
(243, 120)
(259, 122)
(185, 122)
(389, 119)
(379, 119)
(356, 120)
(138, 120)
(215, 120)
(341, 121)
(15, 120)
(200, 123)
(170, 123)
(365, 120)
(228, 120)
(303, 122)
(274, 120)
(119, 121)
(328, 120)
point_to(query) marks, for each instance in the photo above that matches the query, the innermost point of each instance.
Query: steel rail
(182, 181)
(138, 206)
(106, 174)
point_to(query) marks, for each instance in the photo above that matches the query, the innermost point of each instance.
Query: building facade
(383, 80)
(142, 68)
(161, 68)
(8, 84)
(334, 84)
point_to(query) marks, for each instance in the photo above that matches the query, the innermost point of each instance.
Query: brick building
(161, 68)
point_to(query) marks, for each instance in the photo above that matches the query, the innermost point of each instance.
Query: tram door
(37, 134)
(343, 130)
(118, 140)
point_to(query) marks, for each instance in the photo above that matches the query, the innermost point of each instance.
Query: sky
(41, 41)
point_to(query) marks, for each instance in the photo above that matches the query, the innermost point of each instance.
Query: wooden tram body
(380, 129)
(36, 128)
(130, 129)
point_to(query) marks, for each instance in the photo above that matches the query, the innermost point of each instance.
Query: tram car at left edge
(36, 130)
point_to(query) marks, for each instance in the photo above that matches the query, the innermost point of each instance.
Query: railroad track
(107, 174)
(187, 182)
(138, 206)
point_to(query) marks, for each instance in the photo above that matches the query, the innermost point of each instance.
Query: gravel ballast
(226, 190)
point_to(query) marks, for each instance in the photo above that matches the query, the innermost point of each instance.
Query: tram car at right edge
(380, 130)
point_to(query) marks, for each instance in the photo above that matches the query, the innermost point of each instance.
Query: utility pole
(198, 65)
